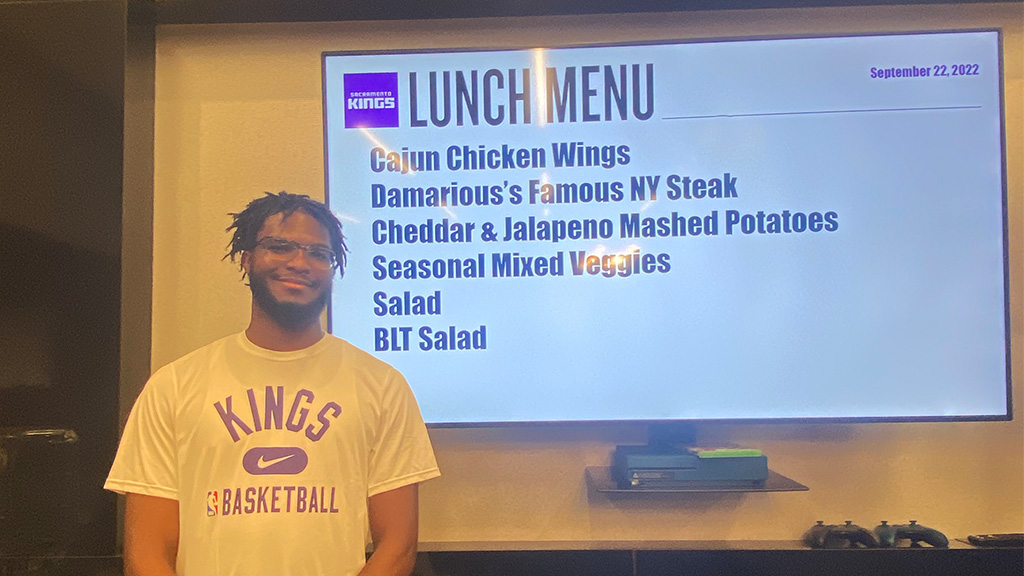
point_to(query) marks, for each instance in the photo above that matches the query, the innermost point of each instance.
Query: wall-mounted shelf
(599, 478)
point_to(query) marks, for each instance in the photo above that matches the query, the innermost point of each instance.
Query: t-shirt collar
(255, 350)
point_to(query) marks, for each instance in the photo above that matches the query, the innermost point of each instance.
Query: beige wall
(238, 111)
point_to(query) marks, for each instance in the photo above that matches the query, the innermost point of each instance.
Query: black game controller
(847, 535)
(890, 535)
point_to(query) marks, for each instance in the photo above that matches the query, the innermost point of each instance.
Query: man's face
(291, 290)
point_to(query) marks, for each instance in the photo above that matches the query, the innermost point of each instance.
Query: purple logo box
(275, 460)
(371, 100)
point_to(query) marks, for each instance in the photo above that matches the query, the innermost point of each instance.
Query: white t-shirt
(272, 455)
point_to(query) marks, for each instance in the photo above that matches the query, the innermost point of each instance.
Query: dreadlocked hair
(247, 223)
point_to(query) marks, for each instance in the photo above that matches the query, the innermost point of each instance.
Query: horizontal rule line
(822, 112)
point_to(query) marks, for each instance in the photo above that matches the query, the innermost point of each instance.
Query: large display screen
(756, 229)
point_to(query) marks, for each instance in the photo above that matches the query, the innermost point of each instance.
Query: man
(272, 451)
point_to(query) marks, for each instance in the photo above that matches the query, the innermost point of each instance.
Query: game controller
(890, 535)
(847, 535)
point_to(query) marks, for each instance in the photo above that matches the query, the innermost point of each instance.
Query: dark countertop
(640, 558)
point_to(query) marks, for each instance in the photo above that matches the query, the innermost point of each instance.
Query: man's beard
(291, 316)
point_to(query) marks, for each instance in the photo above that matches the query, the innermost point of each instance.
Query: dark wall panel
(61, 145)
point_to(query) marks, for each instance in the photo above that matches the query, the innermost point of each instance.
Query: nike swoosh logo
(275, 460)
(264, 463)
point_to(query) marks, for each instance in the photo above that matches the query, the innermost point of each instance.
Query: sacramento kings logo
(371, 100)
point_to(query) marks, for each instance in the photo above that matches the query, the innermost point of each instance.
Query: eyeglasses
(281, 249)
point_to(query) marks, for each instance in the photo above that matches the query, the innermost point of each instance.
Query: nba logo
(211, 503)
(371, 100)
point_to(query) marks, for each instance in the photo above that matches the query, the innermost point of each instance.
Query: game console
(652, 467)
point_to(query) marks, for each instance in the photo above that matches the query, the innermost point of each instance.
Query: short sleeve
(402, 453)
(147, 458)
